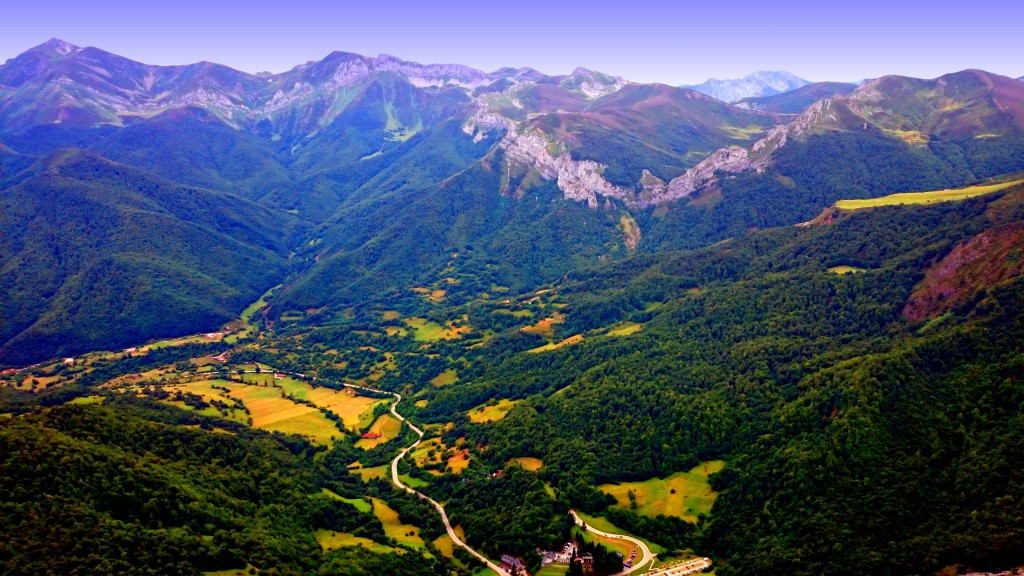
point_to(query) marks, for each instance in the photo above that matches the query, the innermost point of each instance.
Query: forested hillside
(99, 255)
(241, 314)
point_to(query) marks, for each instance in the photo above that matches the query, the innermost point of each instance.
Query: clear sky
(641, 40)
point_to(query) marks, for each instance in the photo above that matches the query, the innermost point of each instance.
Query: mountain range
(375, 170)
(756, 85)
(784, 333)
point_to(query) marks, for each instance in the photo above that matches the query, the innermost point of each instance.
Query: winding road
(440, 509)
(646, 555)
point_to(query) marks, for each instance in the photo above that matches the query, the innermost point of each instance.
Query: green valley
(369, 316)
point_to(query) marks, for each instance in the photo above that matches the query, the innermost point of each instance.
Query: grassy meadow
(683, 494)
(926, 197)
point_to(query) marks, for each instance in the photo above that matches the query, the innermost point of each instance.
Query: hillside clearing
(948, 195)
(491, 413)
(385, 425)
(683, 494)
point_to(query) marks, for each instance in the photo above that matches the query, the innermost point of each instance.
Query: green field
(445, 378)
(333, 540)
(605, 526)
(491, 413)
(621, 546)
(255, 307)
(554, 570)
(625, 329)
(926, 197)
(414, 483)
(424, 330)
(87, 400)
(387, 426)
(359, 503)
(683, 494)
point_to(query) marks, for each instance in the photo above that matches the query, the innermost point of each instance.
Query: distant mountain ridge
(797, 100)
(756, 85)
(388, 167)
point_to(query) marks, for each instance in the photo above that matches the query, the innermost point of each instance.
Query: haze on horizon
(643, 41)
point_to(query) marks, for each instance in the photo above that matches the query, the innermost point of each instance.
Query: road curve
(394, 465)
(440, 509)
(646, 555)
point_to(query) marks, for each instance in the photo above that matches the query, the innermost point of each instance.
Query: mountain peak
(757, 84)
(58, 46)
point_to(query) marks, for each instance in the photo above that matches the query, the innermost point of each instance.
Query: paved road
(646, 556)
(440, 509)
(394, 464)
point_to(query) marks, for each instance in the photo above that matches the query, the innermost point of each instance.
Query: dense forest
(489, 255)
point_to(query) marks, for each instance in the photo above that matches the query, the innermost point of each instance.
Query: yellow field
(370, 473)
(87, 400)
(333, 540)
(625, 329)
(926, 197)
(386, 425)
(458, 462)
(390, 315)
(445, 378)
(269, 410)
(421, 455)
(446, 546)
(843, 270)
(491, 413)
(683, 494)
(402, 533)
(555, 346)
(351, 409)
(531, 464)
(545, 328)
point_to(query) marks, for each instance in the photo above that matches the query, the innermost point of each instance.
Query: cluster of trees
(760, 355)
(84, 483)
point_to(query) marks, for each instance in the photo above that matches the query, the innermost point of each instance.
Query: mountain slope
(951, 130)
(757, 351)
(98, 256)
(754, 85)
(797, 100)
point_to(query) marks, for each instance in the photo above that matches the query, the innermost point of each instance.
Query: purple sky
(642, 40)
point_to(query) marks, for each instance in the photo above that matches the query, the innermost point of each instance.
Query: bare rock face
(820, 115)
(579, 180)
